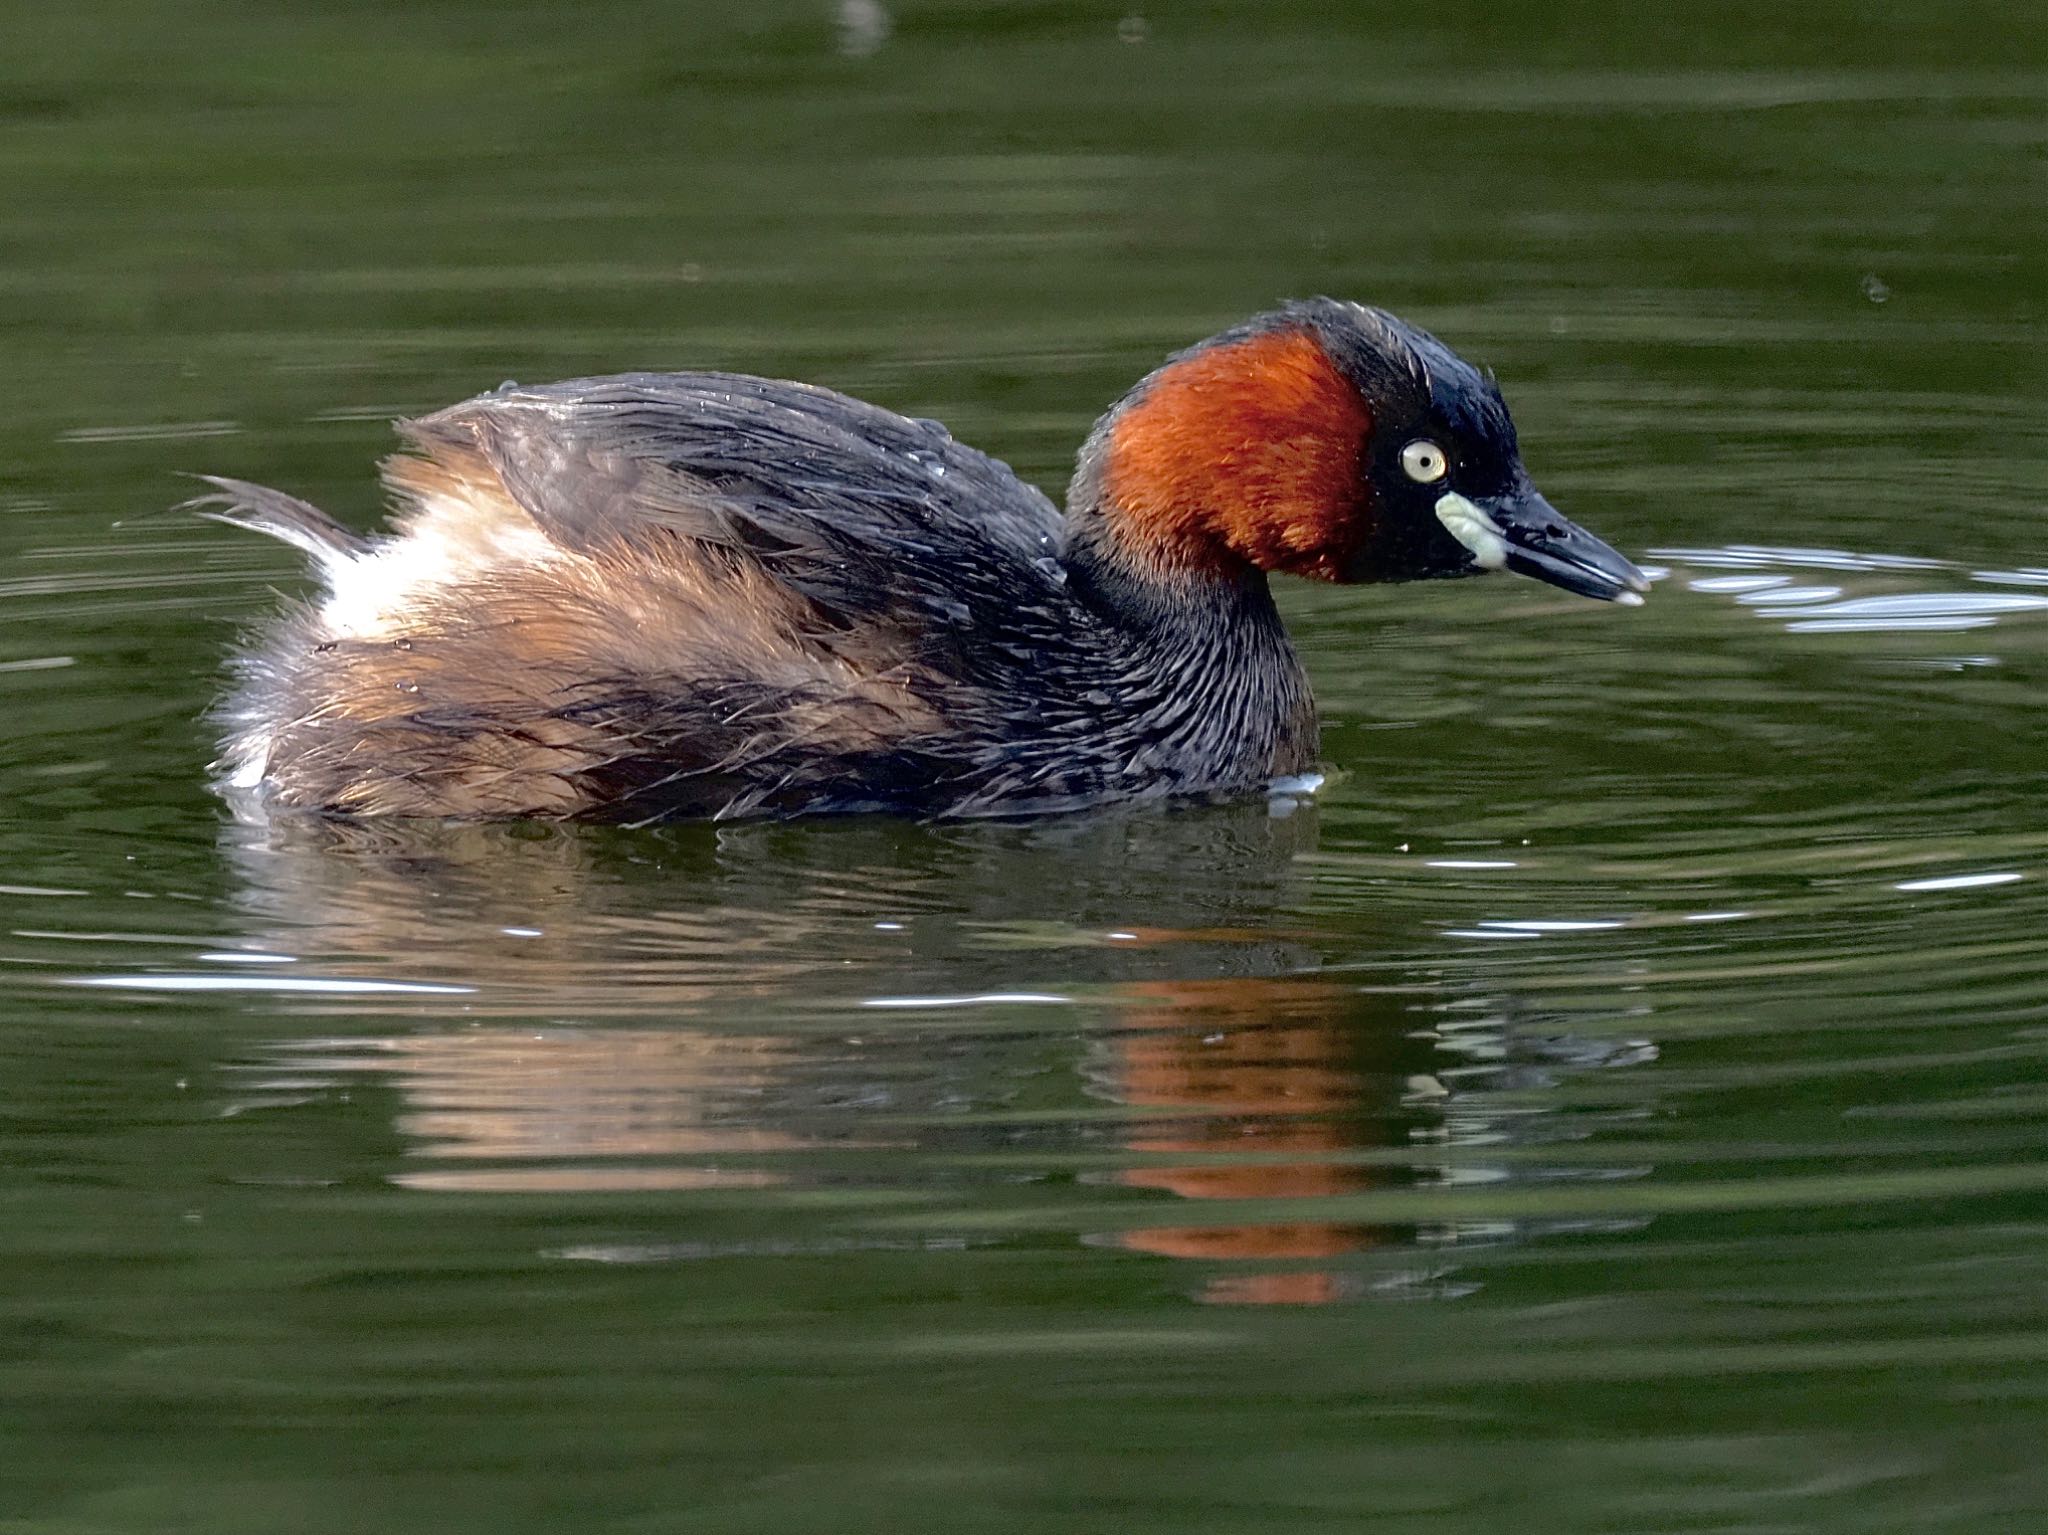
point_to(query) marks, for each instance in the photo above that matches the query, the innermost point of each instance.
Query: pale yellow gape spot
(1468, 523)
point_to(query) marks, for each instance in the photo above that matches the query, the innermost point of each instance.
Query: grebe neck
(1209, 664)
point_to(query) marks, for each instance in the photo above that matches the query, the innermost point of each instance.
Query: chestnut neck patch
(1251, 449)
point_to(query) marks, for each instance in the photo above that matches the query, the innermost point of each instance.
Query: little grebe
(657, 596)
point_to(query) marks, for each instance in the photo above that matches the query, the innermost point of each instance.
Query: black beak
(1542, 542)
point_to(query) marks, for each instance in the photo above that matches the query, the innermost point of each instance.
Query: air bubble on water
(864, 25)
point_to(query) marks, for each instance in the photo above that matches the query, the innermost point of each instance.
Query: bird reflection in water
(1276, 1082)
(582, 1111)
(688, 1013)
(1307, 1088)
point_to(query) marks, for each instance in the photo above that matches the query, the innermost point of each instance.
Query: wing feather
(853, 507)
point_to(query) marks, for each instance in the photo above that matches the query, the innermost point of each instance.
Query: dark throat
(1210, 664)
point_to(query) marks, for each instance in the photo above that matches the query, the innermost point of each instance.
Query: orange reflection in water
(1269, 1071)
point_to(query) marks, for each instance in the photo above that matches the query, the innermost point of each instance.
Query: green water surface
(1615, 1103)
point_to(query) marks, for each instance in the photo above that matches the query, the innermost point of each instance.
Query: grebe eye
(1425, 462)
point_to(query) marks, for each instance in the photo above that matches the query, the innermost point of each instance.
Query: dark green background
(642, 1217)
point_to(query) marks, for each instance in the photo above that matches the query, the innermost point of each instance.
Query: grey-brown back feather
(855, 508)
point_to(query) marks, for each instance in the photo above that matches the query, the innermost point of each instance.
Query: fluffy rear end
(467, 666)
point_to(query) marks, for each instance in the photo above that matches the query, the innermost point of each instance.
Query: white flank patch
(451, 541)
(1471, 527)
(448, 540)
(248, 754)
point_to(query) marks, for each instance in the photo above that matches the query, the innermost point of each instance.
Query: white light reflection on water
(151, 431)
(1817, 608)
(1960, 881)
(1782, 595)
(333, 986)
(1735, 585)
(1556, 925)
(984, 999)
(1750, 556)
(1917, 610)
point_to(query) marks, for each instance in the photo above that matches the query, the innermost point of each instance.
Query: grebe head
(1333, 441)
